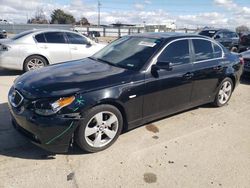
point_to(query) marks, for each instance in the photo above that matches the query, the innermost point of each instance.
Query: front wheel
(100, 128)
(224, 93)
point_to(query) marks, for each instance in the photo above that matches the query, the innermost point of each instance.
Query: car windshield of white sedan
(129, 52)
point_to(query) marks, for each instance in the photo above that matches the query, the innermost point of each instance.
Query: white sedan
(37, 48)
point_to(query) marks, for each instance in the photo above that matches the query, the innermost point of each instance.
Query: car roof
(168, 35)
(213, 29)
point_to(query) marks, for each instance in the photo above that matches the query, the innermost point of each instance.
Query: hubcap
(101, 129)
(35, 64)
(225, 92)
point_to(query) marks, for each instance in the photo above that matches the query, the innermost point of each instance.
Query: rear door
(54, 45)
(208, 69)
(79, 46)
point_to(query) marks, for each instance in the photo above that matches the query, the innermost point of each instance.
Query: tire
(92, 136)
(224, 92)
(34, 62)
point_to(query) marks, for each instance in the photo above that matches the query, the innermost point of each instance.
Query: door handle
(44, 47)
(73, 48)
(218, 68)
(188, 75)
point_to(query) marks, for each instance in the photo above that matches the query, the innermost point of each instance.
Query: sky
(184, 13)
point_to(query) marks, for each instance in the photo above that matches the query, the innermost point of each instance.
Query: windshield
(208, 33)
(129, 52)
(20, 35)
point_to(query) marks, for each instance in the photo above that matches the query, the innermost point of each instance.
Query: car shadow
(6, 72)
(245, 80)
(24, 149)
(13, 144)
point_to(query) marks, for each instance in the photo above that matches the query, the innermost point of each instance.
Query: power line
(99, 8)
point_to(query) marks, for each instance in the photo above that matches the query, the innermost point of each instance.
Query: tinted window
(76, 39)
(55, 37)
(20, 35)
(203, 49)
(40, 38)
(176, 53)
(208, 33)
(217, 51)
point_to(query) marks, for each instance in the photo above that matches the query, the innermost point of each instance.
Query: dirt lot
(202, 147)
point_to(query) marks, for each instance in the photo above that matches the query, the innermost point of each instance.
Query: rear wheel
(100, 128)
(34, 62)
(224, 93)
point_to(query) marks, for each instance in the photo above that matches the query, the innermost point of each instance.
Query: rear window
(208, 33)
(20, 35)
(55, 37)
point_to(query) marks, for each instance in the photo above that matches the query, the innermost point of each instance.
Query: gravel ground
(202, 147)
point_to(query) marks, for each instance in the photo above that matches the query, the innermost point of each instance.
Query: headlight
(46, 108)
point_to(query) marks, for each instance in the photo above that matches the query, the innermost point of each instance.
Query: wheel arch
(47, 61)
(232, 77)
(120, 107)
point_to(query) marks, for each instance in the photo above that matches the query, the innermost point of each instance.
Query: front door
(168, 91)
(79, 46)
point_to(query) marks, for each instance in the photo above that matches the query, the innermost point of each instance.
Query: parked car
(246, 57)
(3, 34)
(134, 80)
(244, 42)
(227, 38)
(37, 48)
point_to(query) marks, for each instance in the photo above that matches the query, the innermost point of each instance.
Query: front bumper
(52, 133)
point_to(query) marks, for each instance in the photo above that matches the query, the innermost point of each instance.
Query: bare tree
(39, 17)
(242, 29)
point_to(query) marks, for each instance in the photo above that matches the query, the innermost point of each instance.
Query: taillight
(242, 61)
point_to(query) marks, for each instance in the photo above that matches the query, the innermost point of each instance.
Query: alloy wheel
(101, 129)
(34, 64)
(225, 92)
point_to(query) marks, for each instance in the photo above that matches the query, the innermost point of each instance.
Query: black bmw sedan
(134, 80)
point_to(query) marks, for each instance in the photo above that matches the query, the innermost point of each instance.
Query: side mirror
(89, 43)
(165, 65)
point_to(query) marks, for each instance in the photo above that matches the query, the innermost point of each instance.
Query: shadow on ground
(13, 144)
(245, 80)
(6, 72)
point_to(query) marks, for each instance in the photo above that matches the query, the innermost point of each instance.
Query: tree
(58, 16)
(39, 17)
(83, 21)
(242, 29)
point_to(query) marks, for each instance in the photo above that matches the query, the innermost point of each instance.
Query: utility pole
(99, 7)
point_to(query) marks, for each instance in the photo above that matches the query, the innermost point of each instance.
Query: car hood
(70, 78)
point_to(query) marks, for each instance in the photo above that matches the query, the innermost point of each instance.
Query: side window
(220, 35)
(40, 38)
(176, 53)
(203, 50)
(55, 37)
(76, 39)
(217, 51)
